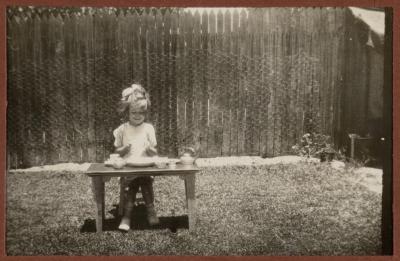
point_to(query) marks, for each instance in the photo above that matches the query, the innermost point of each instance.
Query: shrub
(313, 145)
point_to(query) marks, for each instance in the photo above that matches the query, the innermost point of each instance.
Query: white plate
(140, 162)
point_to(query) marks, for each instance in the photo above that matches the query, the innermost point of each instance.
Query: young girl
(136, 138)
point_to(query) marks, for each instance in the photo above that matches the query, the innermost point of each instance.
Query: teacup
(161, 162)
(172, 164)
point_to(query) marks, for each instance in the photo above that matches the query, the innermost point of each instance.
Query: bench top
(97, 169)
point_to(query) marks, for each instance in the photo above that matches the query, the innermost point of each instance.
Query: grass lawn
(291, 209)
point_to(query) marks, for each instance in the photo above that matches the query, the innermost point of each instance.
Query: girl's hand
(151, 151)
(124, 150)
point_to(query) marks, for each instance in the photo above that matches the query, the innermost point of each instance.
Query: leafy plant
(313, 145)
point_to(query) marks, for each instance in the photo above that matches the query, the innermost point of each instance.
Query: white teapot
(187, 157)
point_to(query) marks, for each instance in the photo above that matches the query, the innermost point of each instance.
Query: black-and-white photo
(236, 131)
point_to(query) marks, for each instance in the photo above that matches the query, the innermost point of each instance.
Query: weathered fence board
(212, 148)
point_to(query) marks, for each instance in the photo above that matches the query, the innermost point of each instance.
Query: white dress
(140, 137)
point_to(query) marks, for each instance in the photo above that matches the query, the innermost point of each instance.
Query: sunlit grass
(294, 209)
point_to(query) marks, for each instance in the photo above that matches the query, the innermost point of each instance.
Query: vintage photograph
(240, 131)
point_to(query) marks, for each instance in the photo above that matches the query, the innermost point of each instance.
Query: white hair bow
(133, 93)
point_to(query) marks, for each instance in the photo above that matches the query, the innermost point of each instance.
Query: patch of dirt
(201, 162)
(371, 178)
(250, 160)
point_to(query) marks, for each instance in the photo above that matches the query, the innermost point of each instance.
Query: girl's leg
(131, 197)
(148, 196)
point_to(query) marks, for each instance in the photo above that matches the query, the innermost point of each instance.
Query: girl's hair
(136, 96)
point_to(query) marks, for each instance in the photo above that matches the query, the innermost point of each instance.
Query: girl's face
(136, 116)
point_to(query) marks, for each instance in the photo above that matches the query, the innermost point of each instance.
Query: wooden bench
(100, 174)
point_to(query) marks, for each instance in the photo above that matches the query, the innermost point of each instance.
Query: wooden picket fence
(227, 83)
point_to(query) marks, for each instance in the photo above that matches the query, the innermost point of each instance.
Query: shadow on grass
(138, 221)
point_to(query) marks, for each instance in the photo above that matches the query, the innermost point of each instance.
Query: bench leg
(122, 196)
(190, 181)
(98, 192)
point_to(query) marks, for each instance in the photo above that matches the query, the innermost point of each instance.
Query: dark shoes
(151, 218)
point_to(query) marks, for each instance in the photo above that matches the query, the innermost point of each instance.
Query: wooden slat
(220, 101)
(306, 92)
(224, 23)
(134, 25)
(115, 66)
(269, 150)
(323, 77)
(180, 103)
(105, 74)
(278, 88)
(75, 74)
(302, 40)
(101, 74)
(56, 99)
(242, 111)
(285, 91)
(333, 85)
(273, 108)
(127, 49)
(15, 103)
(189, 84)
(251, 126)
(151, 51)
(204, 86)
(166, 91)
(286, 14)
(92, 93)
(248, 85)
(212, 135)
(146, 23)
(226, 81)
(173, 152)
(350, 51)
(157, 80)
(39, 99)
(197, 67)
(12, 75)
(329, 93)
(27, 77)
(331, 70)
(86, 107)
(264, 98)
(233, 108)
(309, 107)
(77, 63)
(182, 87)
(68, 87)
(258, 54)
(291, 135)
(339, 81)
(261, 88)
(79, 79)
